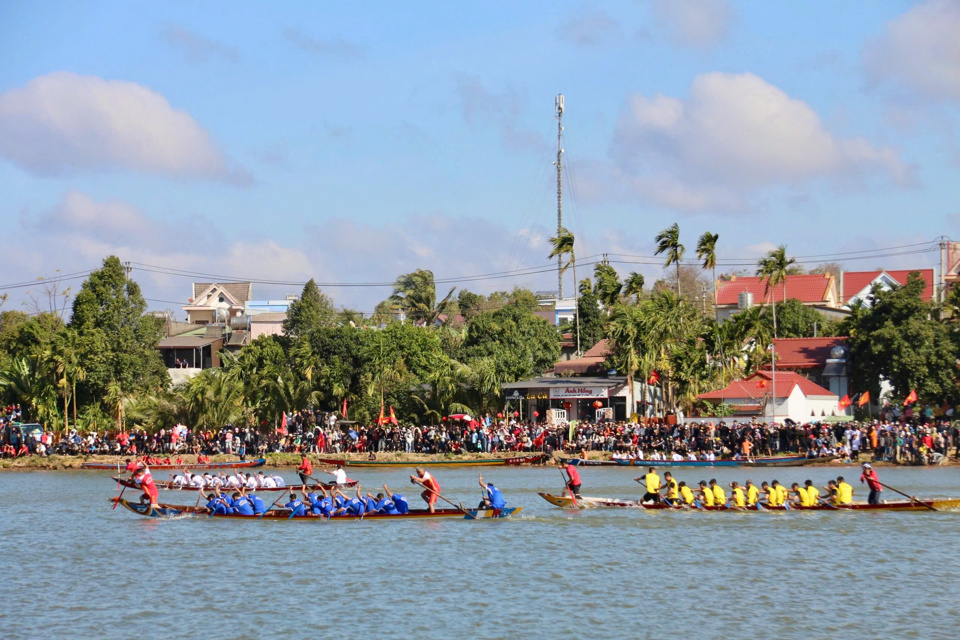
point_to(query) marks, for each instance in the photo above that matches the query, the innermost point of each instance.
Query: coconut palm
(633, 285)
(563, 245)
(668, 241)
(626, 331)
(773, 267)
(64, 353)
(28, 381)
(416, 295)
(608, 285)
(707, 251)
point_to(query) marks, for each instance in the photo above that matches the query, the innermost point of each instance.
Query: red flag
(654, 377)
(344, 412)
(283, 423)
(393, 417)
(864, 398)
(910, 399)
(844, 402)
(381, 419)
(761, 384)
(538, 441)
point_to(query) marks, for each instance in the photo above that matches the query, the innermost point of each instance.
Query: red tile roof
(805, 353)
(591, 361)
(856, 281)
(807, 288)
(749, 387)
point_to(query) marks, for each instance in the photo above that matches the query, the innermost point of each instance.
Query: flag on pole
(283, 423)
(344, 412)
(654, 377)
(393, 417)
(910, 399)
(381, 419)
(844, 402)
(538, 441)
(864, 398)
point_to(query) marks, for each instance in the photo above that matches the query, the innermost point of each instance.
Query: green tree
(608, 285)
(27, 381)
(313, 309)
(591, 317)
(416, 295)
(633, 286)
(521, 344)
(668, 241)
(774, 268)
(470, 303)
(707, 252)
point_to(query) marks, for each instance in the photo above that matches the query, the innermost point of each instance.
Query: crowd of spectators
(325, 433)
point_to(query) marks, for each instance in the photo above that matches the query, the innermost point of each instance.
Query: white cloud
(733, 135)
(64, 123)
(919, 51)
(694, 23)
(590, 29)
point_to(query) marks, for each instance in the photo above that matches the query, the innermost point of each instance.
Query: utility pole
(942, 283)
(127, 268)
(559, 111)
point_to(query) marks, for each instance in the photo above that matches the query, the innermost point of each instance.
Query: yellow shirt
(707, 497)
(773, 497)
(738, 497)
(844, 493)
(653, 482)
(782, 494)
(804, 497)
(672, 489)
(814, 495)
(719, 495)
(687, 495)
(753, 495)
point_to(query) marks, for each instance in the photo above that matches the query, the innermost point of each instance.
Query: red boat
(170, 486)
(230, 464)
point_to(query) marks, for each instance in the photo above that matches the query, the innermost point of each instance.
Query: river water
(74, 568)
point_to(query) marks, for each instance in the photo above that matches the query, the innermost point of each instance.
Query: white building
(789, 396)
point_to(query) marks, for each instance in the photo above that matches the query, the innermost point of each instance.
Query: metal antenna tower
(559, 112)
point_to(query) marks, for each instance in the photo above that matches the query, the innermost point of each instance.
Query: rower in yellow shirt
(652, 483)
(706, 495)
(686, 494)
(737, 494)
(673, 494)
(844, 492)
(773, 496)
(719, 495)
(782, 494)
(813, 494)
(803, 500)
(832, 491)
(753, 494)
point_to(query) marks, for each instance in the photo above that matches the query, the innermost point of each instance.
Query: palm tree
(774, 267)
(707, 251)
(633, 285)
(563, 245)
(668, 241)
(626, 331)
(608, 285)
(416, 295)
(28, 381)
(65, 355)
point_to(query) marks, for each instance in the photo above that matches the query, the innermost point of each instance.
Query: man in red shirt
(145, 480)
(431, 487)
(305, 469)
(873, 482)
(573, 484)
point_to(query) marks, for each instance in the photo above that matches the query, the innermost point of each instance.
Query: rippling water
(79, 569)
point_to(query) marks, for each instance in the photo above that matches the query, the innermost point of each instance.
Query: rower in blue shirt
(256, 503)
(492, 498)
(295, 506)
(320, 503)
(217, 505)
(385, 505)
(241, 504)
(399, 502)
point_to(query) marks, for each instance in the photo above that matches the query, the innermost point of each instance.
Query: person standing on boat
(573, 482)
(143, 478)
(652, 482)
(305, 469)
(870, 476)
(431, 487)
(492, 498)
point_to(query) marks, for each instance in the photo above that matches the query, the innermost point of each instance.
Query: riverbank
(292, 460)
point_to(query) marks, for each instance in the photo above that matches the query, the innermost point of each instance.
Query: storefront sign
(578, 392)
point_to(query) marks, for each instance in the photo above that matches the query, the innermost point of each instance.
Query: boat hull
(169, 486)
(784, 461)
(174, 511)
(587, 502)
(488, 462)
(231, 464)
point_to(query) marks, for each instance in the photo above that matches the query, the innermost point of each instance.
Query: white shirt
(279, 481)
(268, 483)
(340, 476)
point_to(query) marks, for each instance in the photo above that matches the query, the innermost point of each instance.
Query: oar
(569, 490)
(275, 502)
(439, 495)
(117, 500)
(912, 499)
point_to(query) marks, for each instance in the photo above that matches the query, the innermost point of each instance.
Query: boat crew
(320, 504)
(686, 494)
(705, 494)
(385, 505)
(803, 499)
(492, 497)
(844, 492)
(295, 505)
(266, 482)
(241, 504)
(673, 495)
(873, 481)
(719, 495)
(398, 500)
(773, 496)
(217, 504)
(258, 506)
(832, 491)
(652, 482)
(431, 487)
(782, 493)
(278, 480)
(753, 494)
(813, 494)
(736, 494)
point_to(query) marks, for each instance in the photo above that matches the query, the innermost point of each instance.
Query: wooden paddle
(912, 499)
(566, 483)
(116, 500)
(275, 503)
(439, 495)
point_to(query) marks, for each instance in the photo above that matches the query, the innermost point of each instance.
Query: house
(216, 303)
(823, 361)
(590, 363)
(189, 353)
(581, 398)
(266, 324)
(813, 290)
(857, 285)
(769, 399)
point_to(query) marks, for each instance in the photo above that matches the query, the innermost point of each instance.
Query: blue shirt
(297, 507)
(258, 506)
(400, 503)
(218, 507)
(242, 506)
(496, 498)
(355, 507)
(371, 504)
(386, 506)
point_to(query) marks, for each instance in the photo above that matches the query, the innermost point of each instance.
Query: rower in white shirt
(278, 481)
(339, 475)
(267, 482)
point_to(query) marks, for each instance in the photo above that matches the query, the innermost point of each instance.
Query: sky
(354, 142)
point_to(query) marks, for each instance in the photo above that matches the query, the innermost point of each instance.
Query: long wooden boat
(170, 486)
(586, 502)
(581, 462)
(173, 511)
(479, 462)
(230, 464)
(776, 461)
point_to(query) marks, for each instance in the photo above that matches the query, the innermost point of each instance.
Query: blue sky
(354, 143)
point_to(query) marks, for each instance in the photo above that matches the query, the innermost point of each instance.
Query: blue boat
(777, 461)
